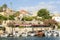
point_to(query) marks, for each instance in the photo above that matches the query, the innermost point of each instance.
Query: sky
(33, 5)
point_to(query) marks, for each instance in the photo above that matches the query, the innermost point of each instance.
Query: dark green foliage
(1, 9)
(27, 18)
(3, 17)
(11, 17)
(21, 27)
(4, 6)
(44, 13)
(16, 14)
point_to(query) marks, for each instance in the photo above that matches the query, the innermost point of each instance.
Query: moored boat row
(33, 33)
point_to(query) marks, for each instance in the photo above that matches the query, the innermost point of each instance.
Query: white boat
(16, 34)
(49, 34)
(59, 33)
(32, 33)
(24, 34)
(4, 35)
(55, 34)
(45, 33)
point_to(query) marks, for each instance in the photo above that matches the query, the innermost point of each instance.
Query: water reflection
(31, 38)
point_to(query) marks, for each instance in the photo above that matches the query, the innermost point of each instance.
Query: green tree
(4, 7)
(11, 17)
(16, 14)
(27, 18)
(2, 18)
(1, 9)
(44, 13)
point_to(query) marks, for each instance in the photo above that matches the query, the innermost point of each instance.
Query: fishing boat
(24, 34)
(32, 33)
(49, 34)
(4, 35)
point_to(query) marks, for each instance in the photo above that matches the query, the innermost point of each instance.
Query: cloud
(56, 12)
(50, 6)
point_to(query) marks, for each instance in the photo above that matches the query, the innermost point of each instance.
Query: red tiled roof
(23, 11)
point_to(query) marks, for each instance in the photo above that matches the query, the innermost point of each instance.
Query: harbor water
(31, 38)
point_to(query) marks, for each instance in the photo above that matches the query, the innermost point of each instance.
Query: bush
(21, 26)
